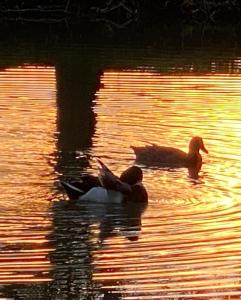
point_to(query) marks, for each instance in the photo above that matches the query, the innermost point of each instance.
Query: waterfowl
(154, 155)
(107, 187)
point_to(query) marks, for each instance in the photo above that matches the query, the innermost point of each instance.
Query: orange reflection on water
(140, 107)
(27, 127)
(190, 239)
(27, 124)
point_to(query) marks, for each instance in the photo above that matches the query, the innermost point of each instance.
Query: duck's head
(197, 144)
(132, 175)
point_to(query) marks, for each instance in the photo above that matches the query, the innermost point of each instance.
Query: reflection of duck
(154, 155)
(107, 187)
(122, 220)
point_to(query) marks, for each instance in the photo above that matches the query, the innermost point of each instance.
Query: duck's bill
(204, 149)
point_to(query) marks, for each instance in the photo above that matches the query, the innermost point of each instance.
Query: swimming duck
(154, 155)
(107, 187)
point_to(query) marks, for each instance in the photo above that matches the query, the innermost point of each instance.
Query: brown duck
(154, 155)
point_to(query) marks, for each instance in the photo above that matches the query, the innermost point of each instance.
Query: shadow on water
(77, 83)
(74, 241)
(78, 71)
(81, 229)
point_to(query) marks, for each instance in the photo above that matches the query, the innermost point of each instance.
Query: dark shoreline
(122, 12)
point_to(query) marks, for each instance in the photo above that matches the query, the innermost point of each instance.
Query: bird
(155, 155)
(107, 187)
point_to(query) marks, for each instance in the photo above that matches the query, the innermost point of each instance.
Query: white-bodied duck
(154, 155)
(107, 187)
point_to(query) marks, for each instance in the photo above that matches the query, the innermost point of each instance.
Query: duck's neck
(194, 159)
(193, 150)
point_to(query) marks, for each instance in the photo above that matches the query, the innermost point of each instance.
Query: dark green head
(132, 175)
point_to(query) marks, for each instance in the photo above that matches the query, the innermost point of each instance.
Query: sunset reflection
(27, 126)
(140, 107)
(190, 238)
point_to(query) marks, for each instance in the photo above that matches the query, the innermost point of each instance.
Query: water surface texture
(27, 126)
(57, 117)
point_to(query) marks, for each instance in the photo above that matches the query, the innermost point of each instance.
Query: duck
(107, 187)
(155, 155)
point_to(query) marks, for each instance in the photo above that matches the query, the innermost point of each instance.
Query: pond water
(58, 114)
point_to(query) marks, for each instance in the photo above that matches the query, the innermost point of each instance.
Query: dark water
(60, 108)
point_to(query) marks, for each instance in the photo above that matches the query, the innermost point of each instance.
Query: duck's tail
(72, 191)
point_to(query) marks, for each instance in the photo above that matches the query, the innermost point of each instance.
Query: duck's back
(160, 155)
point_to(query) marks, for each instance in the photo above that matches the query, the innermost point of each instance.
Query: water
(58, 114)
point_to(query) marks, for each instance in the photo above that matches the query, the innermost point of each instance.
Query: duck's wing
(159, 155)
(72, 190)
(110, 181)
(152, 147)
(106, 176)
(87, 182)
(149, 148)
(103, 167)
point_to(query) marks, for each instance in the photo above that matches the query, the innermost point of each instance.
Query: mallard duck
(154, 155)
(107, 187)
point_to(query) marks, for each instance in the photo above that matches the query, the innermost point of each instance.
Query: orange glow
(190, 237)
(27, 127)
(141, 107)
(27, 97)
(24, 279)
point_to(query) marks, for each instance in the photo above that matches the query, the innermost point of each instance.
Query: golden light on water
(186, 243)
(27, 127)
(28, 104)
(141, 107)
(190, 237)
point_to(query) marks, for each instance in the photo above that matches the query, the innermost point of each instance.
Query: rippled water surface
(185, 244)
